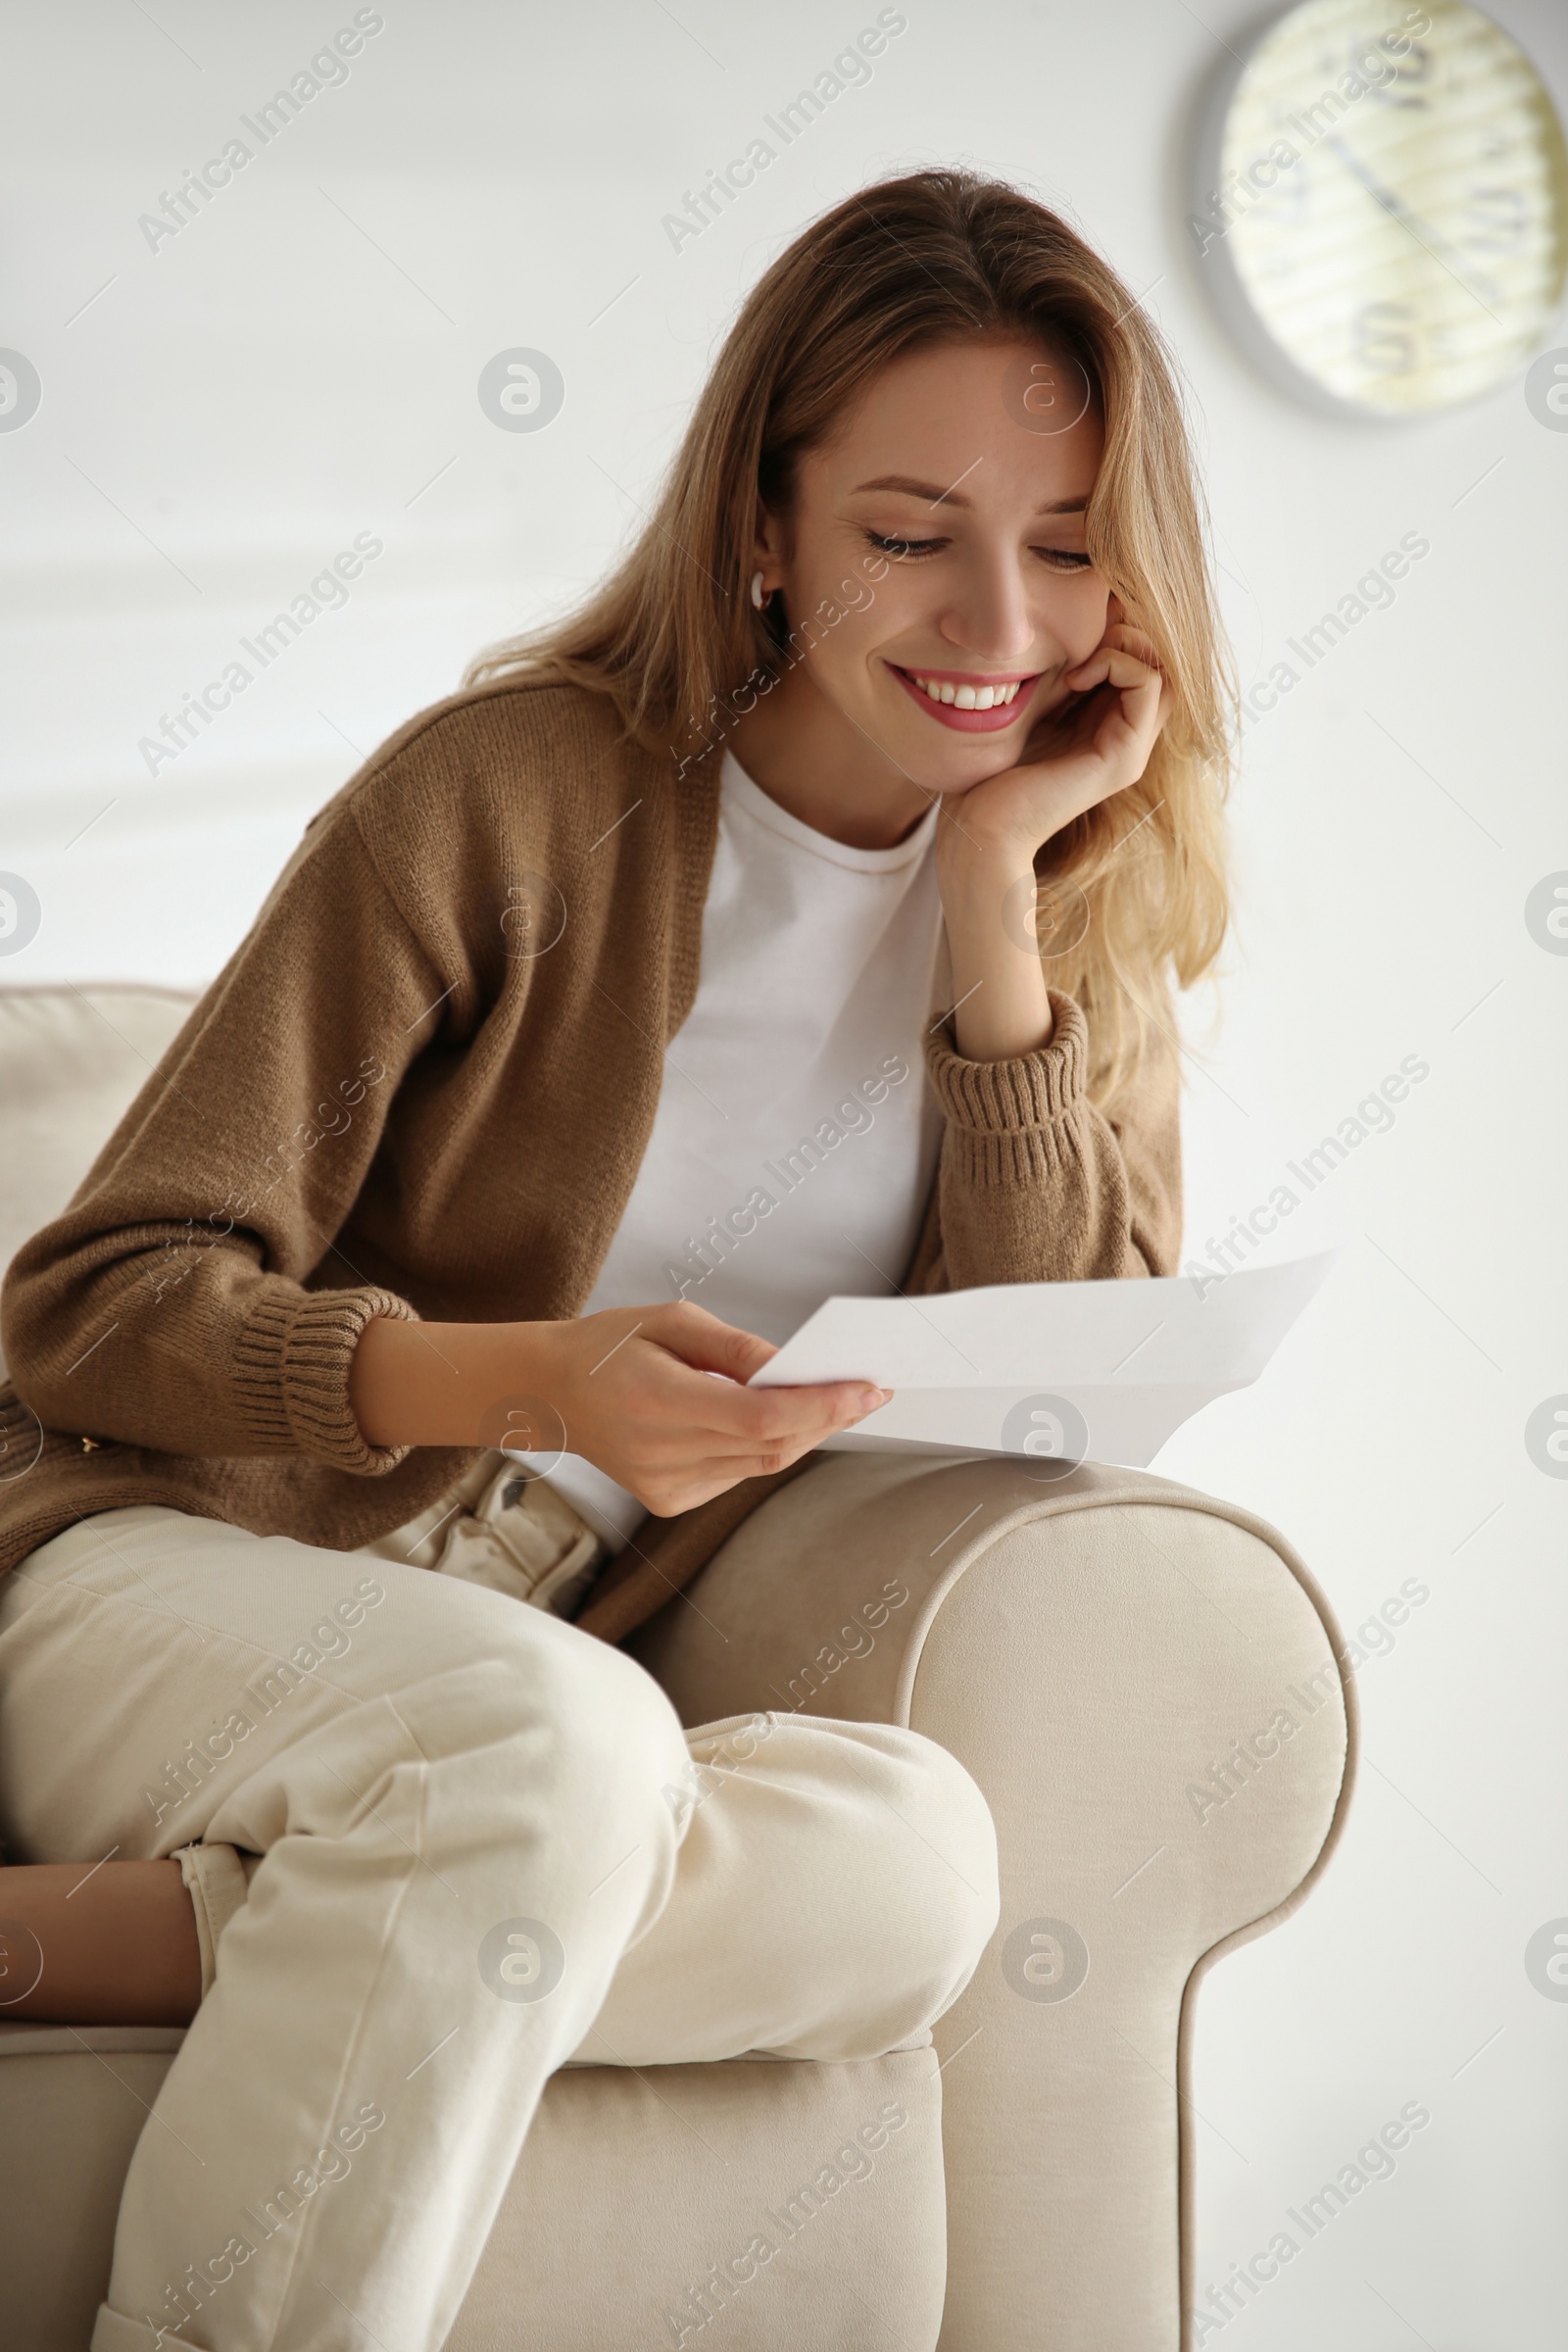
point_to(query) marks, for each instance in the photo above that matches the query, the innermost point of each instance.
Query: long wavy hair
(1133, 891)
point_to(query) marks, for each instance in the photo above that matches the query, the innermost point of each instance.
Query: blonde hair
(672, 638)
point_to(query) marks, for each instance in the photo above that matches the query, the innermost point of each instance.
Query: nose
(989, 617)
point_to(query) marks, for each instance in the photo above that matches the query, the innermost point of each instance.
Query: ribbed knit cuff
(291, 1373)
(1004, 1118)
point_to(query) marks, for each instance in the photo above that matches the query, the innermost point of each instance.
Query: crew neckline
(736, 786)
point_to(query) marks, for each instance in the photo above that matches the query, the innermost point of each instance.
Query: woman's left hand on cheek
(1094, 743)
(1092, 746)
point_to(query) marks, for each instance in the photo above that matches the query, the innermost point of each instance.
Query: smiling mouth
(968, 698)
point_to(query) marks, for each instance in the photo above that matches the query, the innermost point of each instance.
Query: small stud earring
(757, 598)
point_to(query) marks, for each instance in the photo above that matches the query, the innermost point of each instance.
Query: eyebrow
(952, 498)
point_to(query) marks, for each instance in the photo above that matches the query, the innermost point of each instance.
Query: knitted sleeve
(191, 1297)
(1036, 1185)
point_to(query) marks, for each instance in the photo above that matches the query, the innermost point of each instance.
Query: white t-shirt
(795, 1137)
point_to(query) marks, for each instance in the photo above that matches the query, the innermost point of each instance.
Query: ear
(769, 549)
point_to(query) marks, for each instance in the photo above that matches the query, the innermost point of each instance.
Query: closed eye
(902, 549)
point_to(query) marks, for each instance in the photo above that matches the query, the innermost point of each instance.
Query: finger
(1148, 707)
(1120, 636)
(1109, 665)
(762, 1416)
(717, 1472)
(699, 1483)
(1133, 641)
(1139, 706)
(701, 1341)
(1126, 735)
(682, 1485)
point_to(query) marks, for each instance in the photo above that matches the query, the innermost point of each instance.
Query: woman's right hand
(636, 1391)
(632, 1390)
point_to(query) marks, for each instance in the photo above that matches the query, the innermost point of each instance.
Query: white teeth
(967, 698)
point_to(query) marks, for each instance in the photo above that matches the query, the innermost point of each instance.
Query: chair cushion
(70, 1063)
(641, 2206)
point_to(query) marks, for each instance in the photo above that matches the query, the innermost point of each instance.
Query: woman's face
(965, 470)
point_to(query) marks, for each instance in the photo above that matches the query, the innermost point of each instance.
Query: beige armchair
(1141, 1680)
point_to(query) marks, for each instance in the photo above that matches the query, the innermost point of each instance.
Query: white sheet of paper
(989, 1371)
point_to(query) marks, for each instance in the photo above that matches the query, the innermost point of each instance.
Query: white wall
(299, 365)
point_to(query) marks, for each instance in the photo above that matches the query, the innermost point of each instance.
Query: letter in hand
(637, 1392)
(654, 1396)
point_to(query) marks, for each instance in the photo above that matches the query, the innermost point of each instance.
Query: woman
(684, 969)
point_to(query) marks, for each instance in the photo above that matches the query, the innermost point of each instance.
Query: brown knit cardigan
(422, 1087)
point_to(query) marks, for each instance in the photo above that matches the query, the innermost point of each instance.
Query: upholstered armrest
(1144, 1683)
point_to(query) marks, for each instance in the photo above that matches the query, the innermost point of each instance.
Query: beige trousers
(479, 1845)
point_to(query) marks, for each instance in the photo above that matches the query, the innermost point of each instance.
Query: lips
(970, 701)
